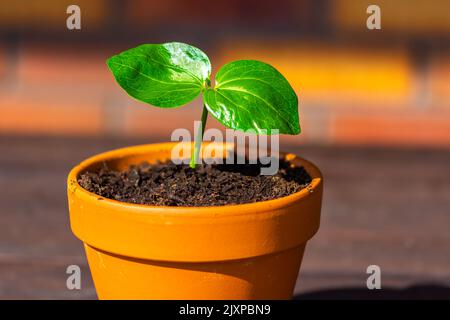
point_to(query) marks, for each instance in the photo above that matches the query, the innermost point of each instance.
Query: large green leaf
(164, 75)
(251, 94)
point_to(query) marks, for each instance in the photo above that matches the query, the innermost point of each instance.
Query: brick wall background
(355, 86)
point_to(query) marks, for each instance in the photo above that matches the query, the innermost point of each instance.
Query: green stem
(198, 139)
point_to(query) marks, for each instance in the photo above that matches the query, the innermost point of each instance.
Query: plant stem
(198, 139)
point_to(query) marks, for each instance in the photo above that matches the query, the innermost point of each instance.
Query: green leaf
(164, 75)
(251, 94)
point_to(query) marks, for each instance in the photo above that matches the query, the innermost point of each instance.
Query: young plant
(247, 94)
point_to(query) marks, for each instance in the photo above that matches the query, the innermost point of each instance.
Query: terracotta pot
(249, 251)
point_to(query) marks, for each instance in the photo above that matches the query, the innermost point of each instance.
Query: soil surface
(167, 184)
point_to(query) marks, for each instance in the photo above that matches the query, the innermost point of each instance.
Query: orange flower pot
(248, 251)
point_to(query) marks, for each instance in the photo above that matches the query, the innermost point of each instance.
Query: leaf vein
(148, 77)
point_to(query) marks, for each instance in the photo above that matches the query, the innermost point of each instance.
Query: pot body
(265, 277)
(249, 251)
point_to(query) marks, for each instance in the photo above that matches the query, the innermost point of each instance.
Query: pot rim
(194, 211)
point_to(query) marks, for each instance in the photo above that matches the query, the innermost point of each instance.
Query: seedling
(247, 95)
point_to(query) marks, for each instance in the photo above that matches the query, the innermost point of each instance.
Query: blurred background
(374, 108)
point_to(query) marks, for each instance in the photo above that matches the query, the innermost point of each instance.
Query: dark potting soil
(167, 184)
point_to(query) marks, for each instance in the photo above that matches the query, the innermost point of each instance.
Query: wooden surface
(389, 207)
